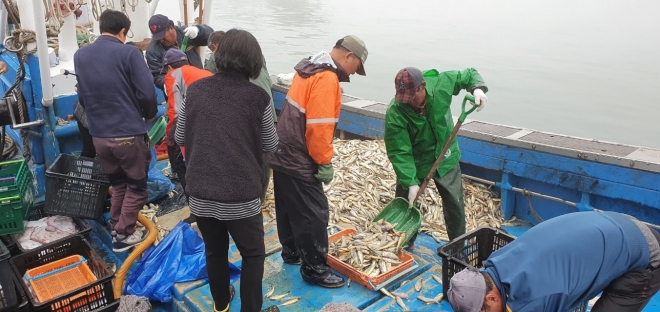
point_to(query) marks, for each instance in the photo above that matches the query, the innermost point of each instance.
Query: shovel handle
(437, 162)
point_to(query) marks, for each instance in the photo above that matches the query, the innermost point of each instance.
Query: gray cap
(356, 45)
(467, 291)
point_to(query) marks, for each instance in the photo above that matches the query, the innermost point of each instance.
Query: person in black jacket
(164, 35)
(226, 125)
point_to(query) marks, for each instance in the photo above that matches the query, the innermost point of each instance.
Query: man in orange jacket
(180, 74)
(303, 158)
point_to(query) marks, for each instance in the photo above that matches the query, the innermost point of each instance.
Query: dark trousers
(630, 292)
(177, 164)
(125, 161)
(302, 218)
(450, 188)
(88, 149)
(248, 235)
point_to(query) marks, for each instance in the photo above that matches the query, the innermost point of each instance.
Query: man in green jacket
(418, 122)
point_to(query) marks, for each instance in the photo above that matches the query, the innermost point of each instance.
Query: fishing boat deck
(195, 296)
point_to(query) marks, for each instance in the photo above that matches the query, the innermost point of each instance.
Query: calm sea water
(584, 68)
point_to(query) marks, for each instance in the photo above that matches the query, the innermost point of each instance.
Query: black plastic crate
(109, 308)
(23, 302)
(8, 298)
(10, 244)
(473, 249)
(76, 186)
(37, 213)
(93, 296)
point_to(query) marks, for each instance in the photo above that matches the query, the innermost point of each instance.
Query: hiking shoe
(124, 242)
(232, 292)
(330, 280)
(271, 309)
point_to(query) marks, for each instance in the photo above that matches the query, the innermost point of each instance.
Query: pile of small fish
(46, 230)
(284, 298)
(364, 183)
(372, 252)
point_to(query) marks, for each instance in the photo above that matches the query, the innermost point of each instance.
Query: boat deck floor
(195, 296)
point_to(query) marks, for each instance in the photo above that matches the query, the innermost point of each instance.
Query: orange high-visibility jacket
(308, 118)
(176, 83)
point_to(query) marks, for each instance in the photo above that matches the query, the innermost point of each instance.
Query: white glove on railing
(191, 32)
(412, 193)
(480, 98)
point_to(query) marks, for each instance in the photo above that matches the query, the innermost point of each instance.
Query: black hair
(179, 64)
(215, 37)
(489, 282)
(239, 52)
(113, 22)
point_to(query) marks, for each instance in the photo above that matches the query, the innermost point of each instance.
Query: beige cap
(356, 45)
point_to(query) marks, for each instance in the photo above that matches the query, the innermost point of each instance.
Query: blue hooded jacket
(567, 260)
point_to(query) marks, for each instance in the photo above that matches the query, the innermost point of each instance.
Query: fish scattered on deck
(418, 285)
(278, 297)
(292, 301)
(270, 292)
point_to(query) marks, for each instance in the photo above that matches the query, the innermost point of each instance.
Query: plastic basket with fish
(76, 186)
(91, 296)
(59, 277)
(12, 215)
(472, 250)
(8, 297)
(372, 283)
(43, 229)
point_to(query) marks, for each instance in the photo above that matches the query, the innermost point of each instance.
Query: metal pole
(3, 21)
(32, 17)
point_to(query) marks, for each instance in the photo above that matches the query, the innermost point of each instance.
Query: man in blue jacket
(563, 262)
(116, 91)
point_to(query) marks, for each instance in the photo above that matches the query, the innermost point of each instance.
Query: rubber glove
(412, 193)
(480, 98)
(191, 32)
(325, 174)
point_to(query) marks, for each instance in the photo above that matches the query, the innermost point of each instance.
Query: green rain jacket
(414, 141)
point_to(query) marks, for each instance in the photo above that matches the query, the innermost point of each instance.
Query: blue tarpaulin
(178, 258)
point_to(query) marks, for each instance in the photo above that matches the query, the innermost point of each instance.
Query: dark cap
(158, 25)
(467, 291)
(174, 55)
(356, 45)
(406, 83)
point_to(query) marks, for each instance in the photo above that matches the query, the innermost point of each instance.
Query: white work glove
(412, 193)
(191, 32)
(480, 98)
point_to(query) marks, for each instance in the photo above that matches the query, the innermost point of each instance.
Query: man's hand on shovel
(412, 194)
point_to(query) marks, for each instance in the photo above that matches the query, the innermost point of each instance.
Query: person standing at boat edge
(418, 123)
(116, 91)
(303, 160)
(164, 35)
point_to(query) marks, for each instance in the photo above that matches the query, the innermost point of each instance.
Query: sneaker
(271, 309)
(124, 242)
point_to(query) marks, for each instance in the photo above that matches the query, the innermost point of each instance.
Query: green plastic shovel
(409, 220)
